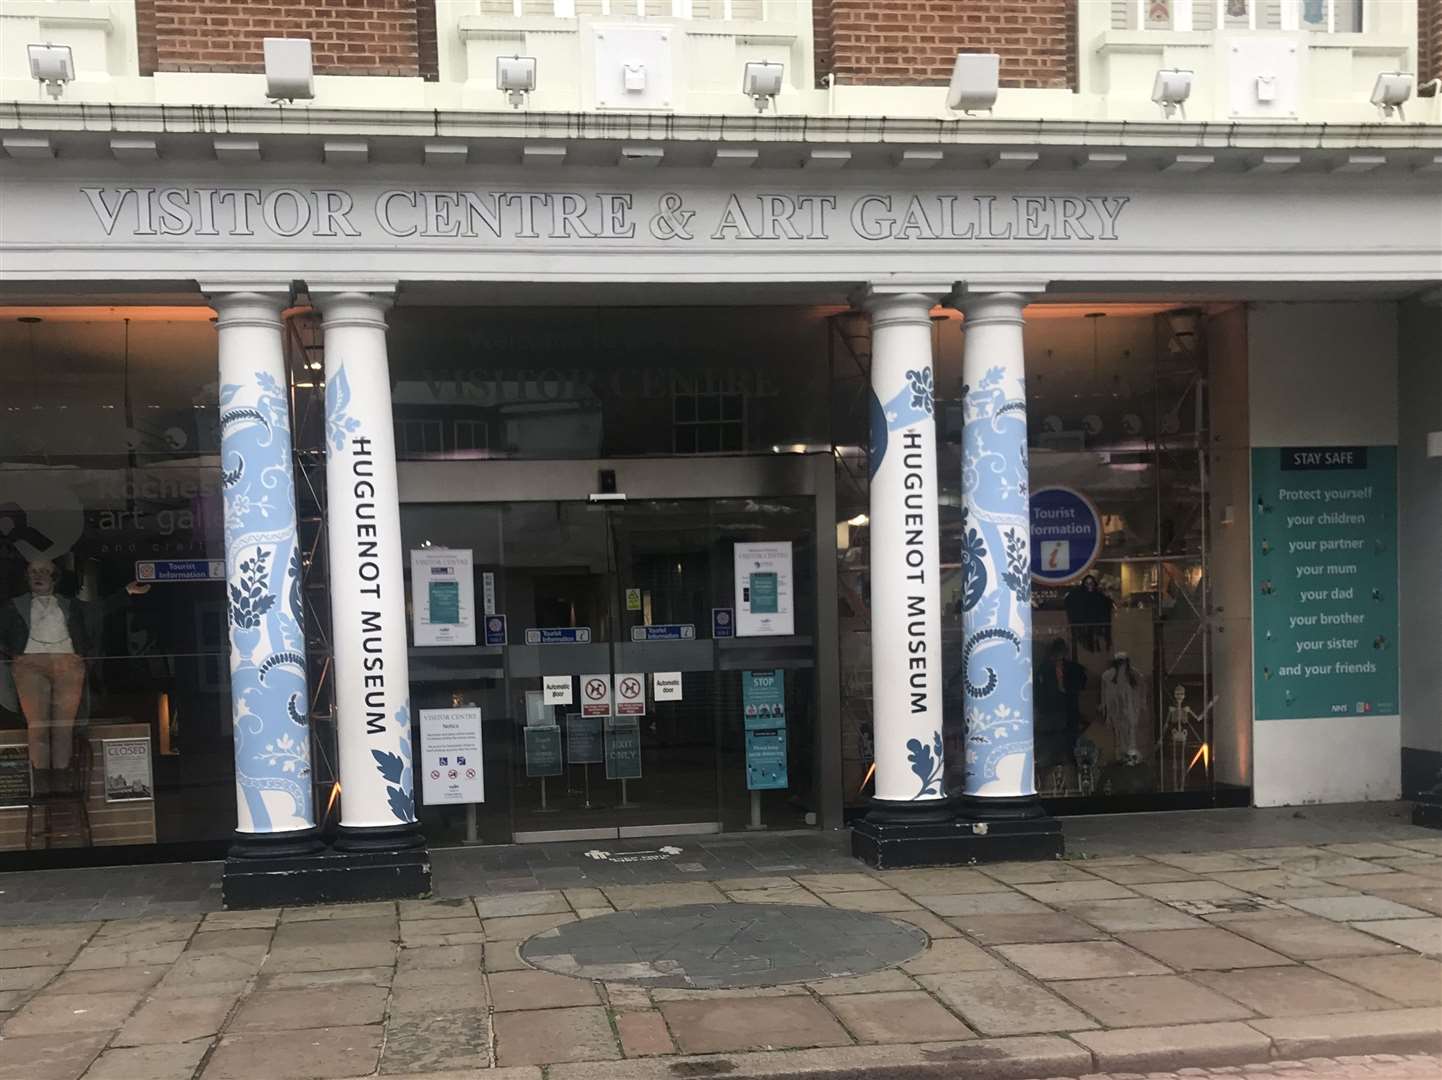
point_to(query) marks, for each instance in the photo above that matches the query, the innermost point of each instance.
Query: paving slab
(515, 991)
(1389, 882)
(1033, 873)
(317, 1007)
(1168, 1047)
(176, 1020)
(48, 1057)
(168, 1061)
(1419, 935)
(950, 954)
(1281, 884)
(51, 1014)
(780, 894)
(871, 900)
(878, 981)
(1153, 1000)
(1014, 929)
(1205, 949)
(190, 974)
(901, 1016)
(220, 941)
(1004, 1003)
(1354, 908)
(108, 956)
(1306, 937)
(27, 978)
(548, 1036)
(630, 897)
(107, 980)
(739, 1024)
(1080, 960)
(644, 1034)
(370, 928)
(1058, 893)
(1400, 1031)
(1140, 873)
(448, 908)
(440, 1040)
(548, 902)
(1291, 991)
(324, 912)
(823, 884)
(424, 1000)
(66, 936)
(520, 927)
(241, 920)
(1206, 862)
(433, 965)
(941, 882)
(332, 957)
(151, 931)
(1137, 913)
(1406, 979)
(1369, 849)
(1201, 889)
(1328, 866)
(986, 903)
(313, 1054)
(301, 980)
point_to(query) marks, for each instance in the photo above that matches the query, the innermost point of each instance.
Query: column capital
(363, 304)
(246, 305)
(897, 304)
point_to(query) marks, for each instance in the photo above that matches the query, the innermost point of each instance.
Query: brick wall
(1429, 40)
(863, 42)
(349, 37)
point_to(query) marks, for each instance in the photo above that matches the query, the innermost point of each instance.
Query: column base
(962, 841)
(275, 845)
(1000, 808)
(379, 837)
(1427, 810)
(907, 812)
(326, 877)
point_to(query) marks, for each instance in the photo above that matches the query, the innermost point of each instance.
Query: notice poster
(763, 699)
(631, 695)
(583, 739)
(1324, 577)
(451, 756)
(623, 748)
(596, 695)
(443, 597)
(127, 770)
(766, 759)
(763, 589)
(543, 751)
(14, 774)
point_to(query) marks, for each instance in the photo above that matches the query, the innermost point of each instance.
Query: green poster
(1324, 581)
(543, 750)
(623, 748)
(763, 699)
(764, 593)
(445, 603)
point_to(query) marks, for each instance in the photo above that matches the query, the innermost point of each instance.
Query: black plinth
(1427, 810)
(325, 877)
(888, 845)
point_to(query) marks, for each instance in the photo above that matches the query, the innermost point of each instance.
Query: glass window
(606, 382)
(114, 694)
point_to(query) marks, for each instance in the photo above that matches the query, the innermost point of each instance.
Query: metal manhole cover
(711, 946)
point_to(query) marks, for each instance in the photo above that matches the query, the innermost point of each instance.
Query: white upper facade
(1271, 61)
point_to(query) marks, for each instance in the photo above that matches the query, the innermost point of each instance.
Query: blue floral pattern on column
(996, 593)
(267, 639)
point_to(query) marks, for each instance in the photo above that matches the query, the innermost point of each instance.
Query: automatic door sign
(557, 689)
(595, 695)
(630, 695)
(1066, 535)
(666, 686)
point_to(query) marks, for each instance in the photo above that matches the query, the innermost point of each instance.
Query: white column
(269, 700)
(368, 627)
(905, 565)
(996, 552)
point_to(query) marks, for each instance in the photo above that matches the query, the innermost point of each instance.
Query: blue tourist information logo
(1066, 535)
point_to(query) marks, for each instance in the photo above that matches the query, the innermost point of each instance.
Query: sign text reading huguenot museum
(668, 216)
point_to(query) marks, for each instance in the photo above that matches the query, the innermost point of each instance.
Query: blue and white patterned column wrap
(996, 551)
(906, 672)
(367, 592)
(269, 701)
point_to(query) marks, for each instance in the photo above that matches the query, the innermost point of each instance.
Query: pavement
(1224, 941)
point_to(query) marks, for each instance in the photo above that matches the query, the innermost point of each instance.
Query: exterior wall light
(975, 79)
(516, 75)
(1390, 93)
(289, 72)
(761, 82)
(52, 66)
(1170, 90)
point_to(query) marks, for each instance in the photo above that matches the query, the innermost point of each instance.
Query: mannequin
(1089, 611)
(1059, 682)
(1122, 706)
(45, 637)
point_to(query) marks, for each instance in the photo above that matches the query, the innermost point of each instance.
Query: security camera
(289, 71)
(1391, 91)
(761, 82)
(516, 75)
(52, 66)
(974, 81)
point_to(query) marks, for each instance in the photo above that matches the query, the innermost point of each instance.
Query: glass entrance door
(612, 605)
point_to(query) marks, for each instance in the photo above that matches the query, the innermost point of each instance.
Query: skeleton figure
(1087, 756)
(1182, 727)
(1122, 706)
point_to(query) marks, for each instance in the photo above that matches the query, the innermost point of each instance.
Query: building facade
(399, 466)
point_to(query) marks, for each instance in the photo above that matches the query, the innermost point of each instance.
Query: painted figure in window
(1159, 13)
(1236, 9)
(1314, 12)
